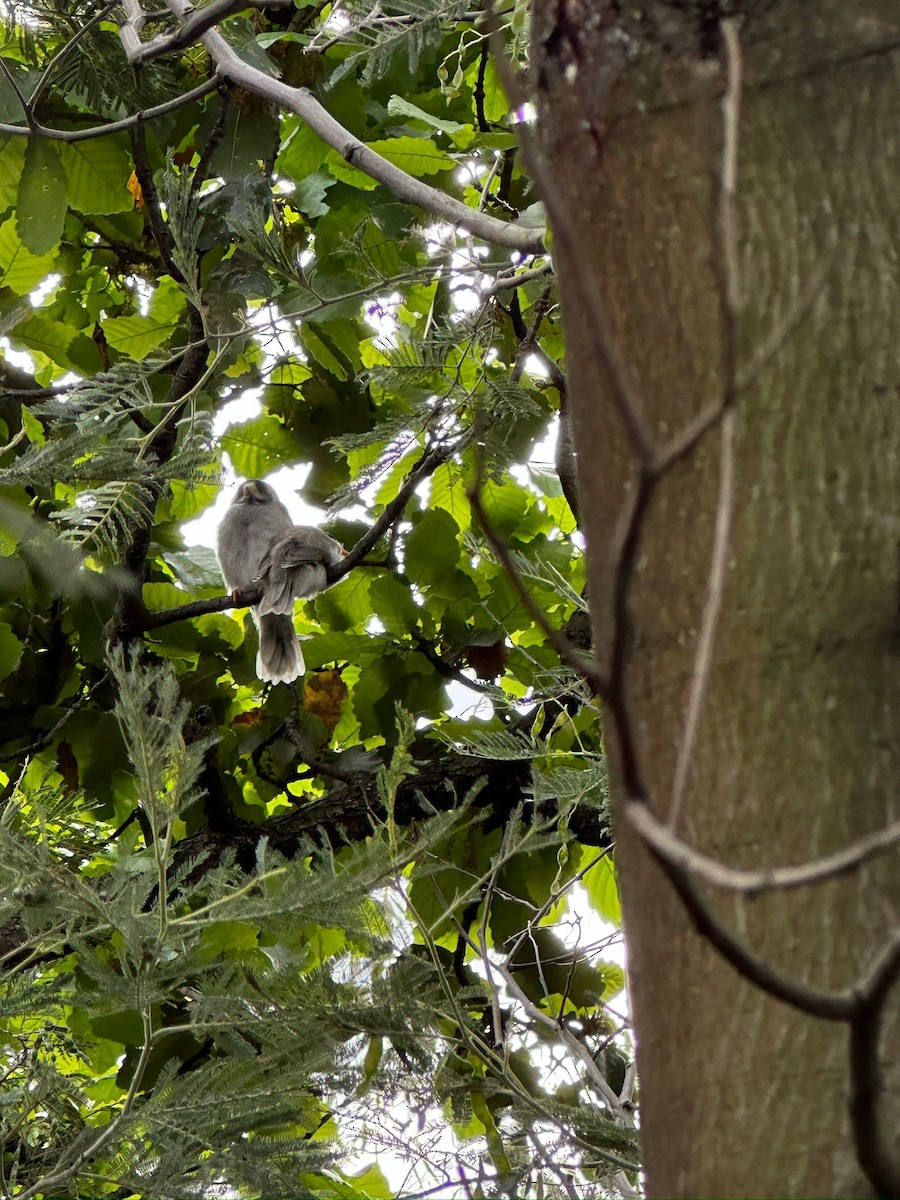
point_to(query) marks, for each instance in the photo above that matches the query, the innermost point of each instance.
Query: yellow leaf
(135, 188)
(324, 694)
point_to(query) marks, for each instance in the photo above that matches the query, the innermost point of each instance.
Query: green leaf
(448, 491)
(347, 604)
(12, 163)
(41, 206)
(603, 893)
(259, 446)
(496, 106)
(309, 194)
(137, 336)
(10, 650)
(34, 430)
(417, 156)
(97, 171)
(22, 271)
(432, 549)
(462, 135)
(393, 604)
(304, 153)
(46, 336)
(371, 1183)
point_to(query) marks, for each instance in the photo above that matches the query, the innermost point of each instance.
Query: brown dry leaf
(324, 694)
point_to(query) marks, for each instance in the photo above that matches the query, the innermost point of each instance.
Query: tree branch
(143, 622)
(875, 1148)
(666, 844)
(302, 102)
(95, 131)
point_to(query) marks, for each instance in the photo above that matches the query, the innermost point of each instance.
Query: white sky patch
(381, 314)
(143, 291)
(275, 333)
(466, 703)
(44, 290)
(18, 358)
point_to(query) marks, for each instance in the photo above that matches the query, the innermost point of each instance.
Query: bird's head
(254, 491)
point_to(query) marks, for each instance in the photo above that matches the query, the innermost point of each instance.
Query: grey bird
(259, 545)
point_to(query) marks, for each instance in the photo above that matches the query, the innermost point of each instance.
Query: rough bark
(797, 750)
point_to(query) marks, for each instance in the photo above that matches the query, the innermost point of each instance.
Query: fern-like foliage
(411, 27)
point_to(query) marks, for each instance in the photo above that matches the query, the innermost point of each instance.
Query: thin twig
(669, 846)
(95, 131)
(875, 1147)
(504, 282)
(710, 620)
(727, 274)
(576, 1047)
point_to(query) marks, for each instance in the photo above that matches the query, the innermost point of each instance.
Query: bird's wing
(296, 550)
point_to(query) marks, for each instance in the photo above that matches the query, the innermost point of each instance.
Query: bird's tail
(280, 659)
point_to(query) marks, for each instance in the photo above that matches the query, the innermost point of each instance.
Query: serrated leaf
(303, 154)
(347, 604)
(34, 430)
(432, 549)
(399, 105)
(46, 336)
(137, 336)
(602, 890)
(448, 491)
(309, 194)
(393, 604)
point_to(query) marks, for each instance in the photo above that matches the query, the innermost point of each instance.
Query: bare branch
(727, 274)
(504, 282)
(197, 22)
(709, 622)
(668, 845)
(95, 131)
(876, 1147)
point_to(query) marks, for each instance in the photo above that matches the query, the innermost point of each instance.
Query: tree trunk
(796, 752)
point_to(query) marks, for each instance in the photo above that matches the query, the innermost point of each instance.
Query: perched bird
(260, 546)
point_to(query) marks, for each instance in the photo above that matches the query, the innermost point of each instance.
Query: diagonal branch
(231, 66)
